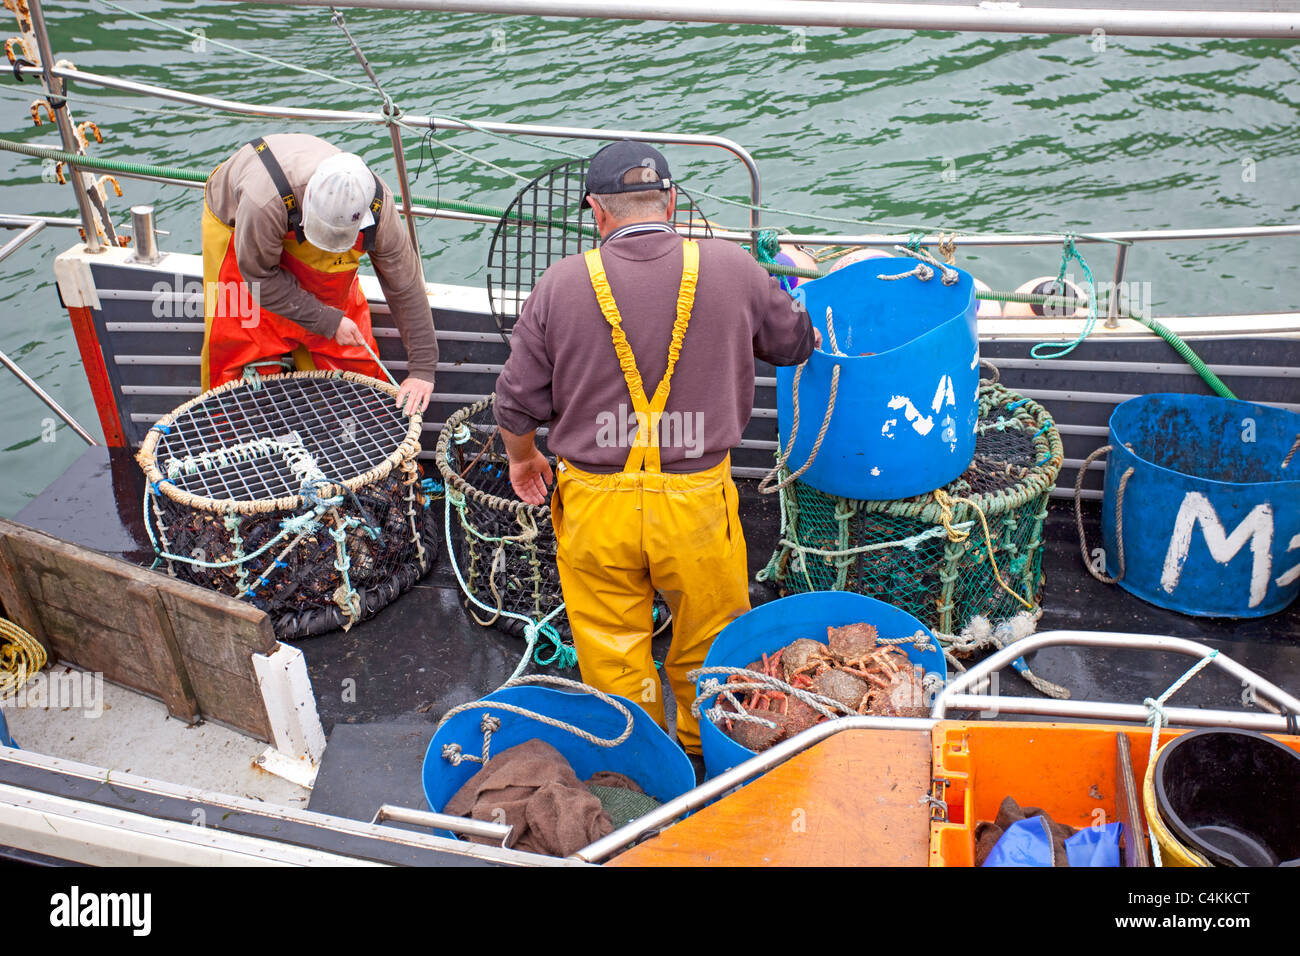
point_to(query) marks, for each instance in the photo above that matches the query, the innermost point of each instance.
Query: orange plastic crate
(1067, 769)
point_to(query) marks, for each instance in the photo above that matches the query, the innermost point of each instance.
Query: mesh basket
(504, 548)
(298, 493)
(929, 555)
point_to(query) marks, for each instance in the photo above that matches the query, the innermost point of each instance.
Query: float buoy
(1047, 285)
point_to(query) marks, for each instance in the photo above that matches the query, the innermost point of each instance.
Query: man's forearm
(519, 447)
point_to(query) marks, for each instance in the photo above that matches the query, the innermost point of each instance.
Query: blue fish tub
(903, 420)
(770, 627)
(648, 756)
(1211, 504)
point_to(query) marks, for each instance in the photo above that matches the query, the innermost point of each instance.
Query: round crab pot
(905, 408)
(1211, 526)
(1231, 795)
(770, 627)
(648, 756)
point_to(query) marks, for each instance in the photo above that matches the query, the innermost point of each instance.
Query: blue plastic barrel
(1211, 516)
(5, 739)
(770, 627)
(904, 417)
(648, 756)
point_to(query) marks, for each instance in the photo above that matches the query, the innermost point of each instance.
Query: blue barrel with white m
(900, 416)
(1210, 516)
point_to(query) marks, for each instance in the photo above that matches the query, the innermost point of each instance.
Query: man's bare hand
(530, 478)
(414, 395)
(348, 334)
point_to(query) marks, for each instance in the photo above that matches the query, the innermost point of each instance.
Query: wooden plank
(18, 604)
(232, 701)
(172, 640)
(164, 655)
(216, 639)
(851, 800)
(94, 646)
(1128, 805)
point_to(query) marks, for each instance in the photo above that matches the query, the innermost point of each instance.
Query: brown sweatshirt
(240, 193)
(563, 369)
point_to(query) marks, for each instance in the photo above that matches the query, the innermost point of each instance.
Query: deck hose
(197, 176)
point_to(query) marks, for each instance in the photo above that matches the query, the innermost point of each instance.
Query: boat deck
(423, 654)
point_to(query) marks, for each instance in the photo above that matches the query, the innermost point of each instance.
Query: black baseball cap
(609, 167)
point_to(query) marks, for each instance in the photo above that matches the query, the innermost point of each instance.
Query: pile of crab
(807, 682)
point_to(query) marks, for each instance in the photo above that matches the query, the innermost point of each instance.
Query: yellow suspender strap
(645, 450)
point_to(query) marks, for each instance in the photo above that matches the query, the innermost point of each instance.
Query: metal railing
(441, 123)
(1122, 238)
(31, 226)
(855, 14)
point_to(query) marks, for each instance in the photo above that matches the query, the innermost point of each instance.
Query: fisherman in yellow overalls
(644, 501)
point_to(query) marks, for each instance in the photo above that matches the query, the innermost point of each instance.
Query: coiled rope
(21, 657)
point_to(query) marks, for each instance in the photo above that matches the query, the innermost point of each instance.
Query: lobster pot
(648, 756)
(298, 493)
(932, 559)
(902, 421)
(1211, 525)
(770, 627)
(504, 548)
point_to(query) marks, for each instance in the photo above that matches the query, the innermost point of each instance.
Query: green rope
(1071, 251)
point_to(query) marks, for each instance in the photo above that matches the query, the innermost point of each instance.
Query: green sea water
(960, 131)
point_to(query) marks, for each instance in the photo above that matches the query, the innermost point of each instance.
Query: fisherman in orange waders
(285, 221)
(644, 499)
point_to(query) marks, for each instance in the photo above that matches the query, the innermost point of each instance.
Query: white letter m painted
(1256, 527)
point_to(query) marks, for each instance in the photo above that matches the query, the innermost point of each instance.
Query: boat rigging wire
(742, 204)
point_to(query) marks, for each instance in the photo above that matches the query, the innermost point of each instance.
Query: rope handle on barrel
(454, 755)
(765, 487)
(1119, 516)
(1295, 446)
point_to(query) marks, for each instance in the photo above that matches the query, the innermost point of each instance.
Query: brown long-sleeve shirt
(563, 369)
(240, 193)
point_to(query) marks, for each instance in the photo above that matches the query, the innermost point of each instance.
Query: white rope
(452, 752)
(1155, 717)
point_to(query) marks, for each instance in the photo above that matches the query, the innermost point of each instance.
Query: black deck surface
(398, 672)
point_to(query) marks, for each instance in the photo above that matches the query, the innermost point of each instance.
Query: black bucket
(1232, 795)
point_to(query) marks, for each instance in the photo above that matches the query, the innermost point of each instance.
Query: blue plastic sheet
(1095, 846)
(1028, 842)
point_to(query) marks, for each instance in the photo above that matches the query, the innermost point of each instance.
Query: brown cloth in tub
(608, 778)
(987, 834)
(552, 812)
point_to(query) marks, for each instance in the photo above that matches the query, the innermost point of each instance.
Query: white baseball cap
(336, 202)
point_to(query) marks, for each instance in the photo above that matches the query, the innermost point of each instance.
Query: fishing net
(298, 493)
(931, 555)
(503, 548)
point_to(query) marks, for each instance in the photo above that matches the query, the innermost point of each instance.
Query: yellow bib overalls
(622, 537)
